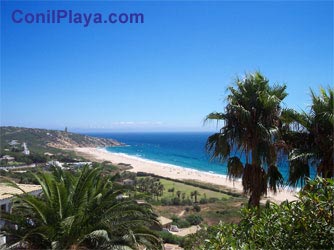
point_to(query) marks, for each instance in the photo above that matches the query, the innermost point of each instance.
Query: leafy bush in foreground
(307, 223)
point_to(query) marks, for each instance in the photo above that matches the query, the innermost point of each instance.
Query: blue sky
(166, 74)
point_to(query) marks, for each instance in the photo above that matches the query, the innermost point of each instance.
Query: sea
(181, 149)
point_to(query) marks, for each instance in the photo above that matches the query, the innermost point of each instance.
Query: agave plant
(79, 212)
(250, 126)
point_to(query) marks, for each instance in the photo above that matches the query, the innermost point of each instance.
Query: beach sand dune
(176, 172)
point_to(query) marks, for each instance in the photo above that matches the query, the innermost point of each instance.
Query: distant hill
(40, 139)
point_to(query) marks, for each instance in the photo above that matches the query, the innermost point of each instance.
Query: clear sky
(165, 74)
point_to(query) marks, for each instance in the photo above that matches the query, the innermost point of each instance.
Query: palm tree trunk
(255, 196)
(254, 200)
(256, 180)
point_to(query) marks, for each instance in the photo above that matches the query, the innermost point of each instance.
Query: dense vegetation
(307, 223)
(79, 211)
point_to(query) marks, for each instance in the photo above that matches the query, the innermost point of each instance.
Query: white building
(25, 149)
(7, 158)
(54, 164)
(13, 143)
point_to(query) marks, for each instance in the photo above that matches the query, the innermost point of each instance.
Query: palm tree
(161, 189)
(80, 212)
(251, 126)
(183, 196)
(309, 137)
(195, 194)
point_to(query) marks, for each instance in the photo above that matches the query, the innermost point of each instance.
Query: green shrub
(175, 218)
(165, 202)
(170, 238)
(203, 201)
(307, 223)
(183, 224)
(194, 219)
(197, 208)
(176, 201)
(180, 223)
(195, 241)
(186, 202)
(214, 199)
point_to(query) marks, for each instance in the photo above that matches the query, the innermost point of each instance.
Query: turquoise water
(181, 149)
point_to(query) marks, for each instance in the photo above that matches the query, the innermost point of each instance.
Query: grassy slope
(226, 209)
(184, 188)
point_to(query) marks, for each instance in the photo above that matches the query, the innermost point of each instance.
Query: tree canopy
(250, 126)
(309, 137)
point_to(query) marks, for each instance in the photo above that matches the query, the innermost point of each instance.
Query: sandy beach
(175, 172)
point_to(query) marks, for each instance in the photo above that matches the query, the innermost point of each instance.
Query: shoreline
(176, 172)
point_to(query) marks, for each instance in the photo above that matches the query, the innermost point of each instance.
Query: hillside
(45, 139)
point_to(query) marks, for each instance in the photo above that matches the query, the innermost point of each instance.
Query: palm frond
(298, 172)
(275, 178)
(234, 168)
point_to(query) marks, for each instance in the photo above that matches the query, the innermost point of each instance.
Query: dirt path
(182, 213)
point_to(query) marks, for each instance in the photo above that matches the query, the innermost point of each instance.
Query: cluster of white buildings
(15, 143)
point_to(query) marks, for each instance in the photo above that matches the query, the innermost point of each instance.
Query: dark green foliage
(195, 241)
(183, 224)
(194, 219)
(80, 211)
(197, 208)
(234, 168)
(213, 200)
(251, 125)
(150, 186)
(194, 195)
(176, 201)
(20, 177)
(170, 238)
(180, 223)
(309, 137)
(307, 223)
(186, 202)
(165, 202)
(203, 201)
